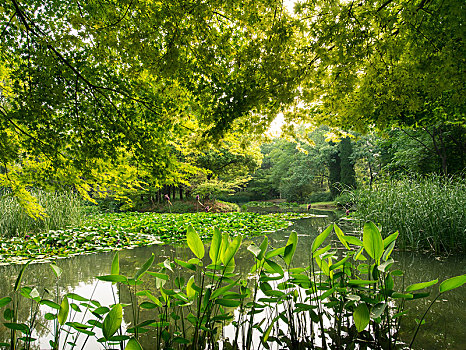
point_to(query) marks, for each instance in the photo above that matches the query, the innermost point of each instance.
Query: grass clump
(62, 209)
(428, 212)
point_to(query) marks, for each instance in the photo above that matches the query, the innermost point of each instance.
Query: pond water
(445, 323)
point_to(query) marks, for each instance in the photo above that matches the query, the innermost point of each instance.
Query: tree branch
(8, 24)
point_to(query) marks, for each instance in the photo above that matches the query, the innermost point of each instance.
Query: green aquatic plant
(62, 209)
(429, 212)
(347, 297)
(106, 232)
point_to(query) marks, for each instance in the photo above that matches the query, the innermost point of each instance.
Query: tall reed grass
(62, 208)
(429, 212)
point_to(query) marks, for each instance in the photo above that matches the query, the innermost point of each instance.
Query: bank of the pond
(113, 231)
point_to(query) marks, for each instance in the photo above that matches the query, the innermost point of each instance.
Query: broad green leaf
(388, 250)
(112, 278)
(224, 245)
(377, 310)
(417, 286)
(144, 267)
(214, 251)
(190, 291)
(186, 265)
(162, 276)
(148, 305)
(222, 290)
(452, 283)
(290, 247)
(272, 267)
(76, 297)
(275, 252)
(359, 255)
(402, 296)
(50, 303)
(362, 282)
(390, 239)
(18, 327)
(263, 248)
(56, 270)
(115, 265)
(4, 301)
(354, 241)
(321, 238)
(195, 242)
(63, 311)
(322, 251)
(133, 344)
(341, 236)
(372, 240)
(228, 302)
(112, 321)
(341, 262)
(361, 317)
(150, 296)
(231, 250)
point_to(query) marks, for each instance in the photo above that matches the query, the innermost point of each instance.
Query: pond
(444, 326)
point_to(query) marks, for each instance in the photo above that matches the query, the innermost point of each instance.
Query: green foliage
(99, 82)
(293, 169)
(332, 297)
(385, 63)
(105, 232)
(429, 212)
(319, 197)
(61, 209)
(347, 173)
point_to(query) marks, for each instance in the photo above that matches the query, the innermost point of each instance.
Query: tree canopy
(385, 62)
(84, 83)
(101, 94)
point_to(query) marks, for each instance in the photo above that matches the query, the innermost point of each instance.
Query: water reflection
(444, 328)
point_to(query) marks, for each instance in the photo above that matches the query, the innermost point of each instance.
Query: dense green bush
(320, 197)
(430, 212)
(62, 209)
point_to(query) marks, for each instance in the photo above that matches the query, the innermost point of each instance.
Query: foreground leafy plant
(344, 299)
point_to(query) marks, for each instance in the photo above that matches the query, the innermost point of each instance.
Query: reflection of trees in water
(76, 270)
(444, 328)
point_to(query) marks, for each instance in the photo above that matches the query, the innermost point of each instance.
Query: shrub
(320, 197)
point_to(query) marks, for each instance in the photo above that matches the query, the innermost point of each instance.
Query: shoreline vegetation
(429, 212)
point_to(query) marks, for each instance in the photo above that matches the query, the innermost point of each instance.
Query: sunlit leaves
(194, 242)
(372, 240)
(112, 321)
(452, 283)
(361, 317)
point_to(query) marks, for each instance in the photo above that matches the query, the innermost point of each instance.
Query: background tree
(388, 63)
(81, 82)
(347, 173)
